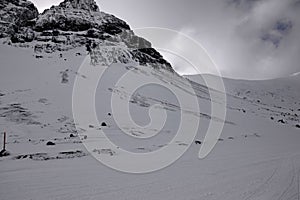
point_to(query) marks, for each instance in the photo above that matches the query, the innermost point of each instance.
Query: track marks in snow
(282, 184)
(15, 112)
(48, 156)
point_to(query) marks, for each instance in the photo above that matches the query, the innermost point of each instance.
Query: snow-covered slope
(276, 100)
(257, 156)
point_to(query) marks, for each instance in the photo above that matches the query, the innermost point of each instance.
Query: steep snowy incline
(254, 158)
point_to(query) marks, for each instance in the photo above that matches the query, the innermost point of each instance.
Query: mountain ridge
(75, 23)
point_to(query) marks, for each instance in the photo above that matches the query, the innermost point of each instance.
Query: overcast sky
(252, 39)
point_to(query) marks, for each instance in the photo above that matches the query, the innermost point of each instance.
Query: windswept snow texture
(257, 156)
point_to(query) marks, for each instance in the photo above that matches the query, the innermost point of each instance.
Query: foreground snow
(257, 156)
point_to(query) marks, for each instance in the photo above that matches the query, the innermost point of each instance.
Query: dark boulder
(4, 153)
(282, 121)
(198, 142)
(50, 143)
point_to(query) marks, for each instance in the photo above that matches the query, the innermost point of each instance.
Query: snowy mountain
(74, 24)
(41, 59)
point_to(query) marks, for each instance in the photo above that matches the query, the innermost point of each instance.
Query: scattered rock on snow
(105, 151)
(4, 153)
(46, 156)
(50, 143)
(198, 142)
(43, 100)
(282, 121)
(65, 76)
(14, 112)
(256, 135)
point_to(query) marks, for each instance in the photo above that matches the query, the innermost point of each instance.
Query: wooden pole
(4, 141)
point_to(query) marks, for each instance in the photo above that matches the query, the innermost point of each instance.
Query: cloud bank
(251, 39)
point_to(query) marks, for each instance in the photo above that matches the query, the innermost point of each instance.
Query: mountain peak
(77, 23)
(89, 5)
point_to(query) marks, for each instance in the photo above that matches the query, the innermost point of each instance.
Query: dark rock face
(150, 56)
(79, 15)
(14, 15)
(89, 5)
(23, 35)
(133, 41)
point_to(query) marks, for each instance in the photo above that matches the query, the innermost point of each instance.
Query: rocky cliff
(75, 23)
(14, 15)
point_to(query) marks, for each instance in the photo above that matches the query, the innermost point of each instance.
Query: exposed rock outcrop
(75, 23)
(79, 15)
(88, 5)
(15, 14)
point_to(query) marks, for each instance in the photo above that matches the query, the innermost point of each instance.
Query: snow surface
(257, 156)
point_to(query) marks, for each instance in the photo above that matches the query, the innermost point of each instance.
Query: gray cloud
(258, 40)
(252, 39)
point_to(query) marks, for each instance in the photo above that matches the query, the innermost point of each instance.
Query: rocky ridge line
(75, 23)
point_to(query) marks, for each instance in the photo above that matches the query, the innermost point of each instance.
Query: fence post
(4, 141)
